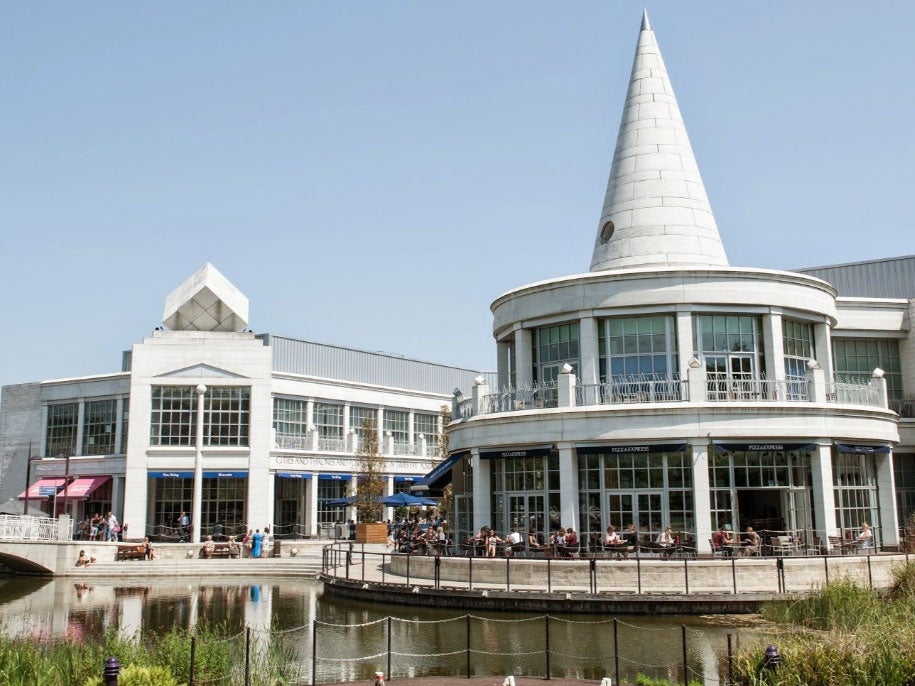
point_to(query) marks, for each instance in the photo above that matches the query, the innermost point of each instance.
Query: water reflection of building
(666, 387)
(238, 429)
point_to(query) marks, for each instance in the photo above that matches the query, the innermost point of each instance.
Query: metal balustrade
(724, 387)
(337, 445)
(28, 528)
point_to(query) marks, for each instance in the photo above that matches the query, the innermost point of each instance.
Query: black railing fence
(542, 646)
(637, 574)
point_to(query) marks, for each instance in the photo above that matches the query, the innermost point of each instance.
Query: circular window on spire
(606, 232)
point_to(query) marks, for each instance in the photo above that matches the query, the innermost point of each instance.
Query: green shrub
(137, 675)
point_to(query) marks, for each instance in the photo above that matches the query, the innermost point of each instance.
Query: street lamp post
(66, 479)
(197, 505)
(28, 479)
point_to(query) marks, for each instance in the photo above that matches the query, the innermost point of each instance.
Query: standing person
(248, 541)
(111, 522)
(184, 523)
(257, 541)
(265, 545)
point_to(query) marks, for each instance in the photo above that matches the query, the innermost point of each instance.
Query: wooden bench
(222, 550)
(131, 552)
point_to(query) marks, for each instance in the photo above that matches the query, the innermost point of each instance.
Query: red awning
(82, 487)
(43, 488)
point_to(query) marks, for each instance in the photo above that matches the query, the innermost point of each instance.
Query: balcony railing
(288, 442)
(538, 395)
(854, 392)
(724, 387)
(701, 386)
(335, 445)
(633, 388)
(28, 528)
(904, 408)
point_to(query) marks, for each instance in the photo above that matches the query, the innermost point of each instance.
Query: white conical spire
(656, 212)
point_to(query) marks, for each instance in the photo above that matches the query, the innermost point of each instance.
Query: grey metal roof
(891, 277)
(294, 356)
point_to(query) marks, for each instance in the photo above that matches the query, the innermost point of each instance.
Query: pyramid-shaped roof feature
(207, 301)
(656, 212)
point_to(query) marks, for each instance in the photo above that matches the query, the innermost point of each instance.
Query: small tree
(445, 509)
(370, 482)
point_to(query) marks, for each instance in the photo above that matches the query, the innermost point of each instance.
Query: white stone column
(480, 395)
(685, 351)
(309, 413)
(568, 486)
(503, 356)
(388, 490)
(702, 501)
(824, 500)
(588, 351)
(346, 419)
(879, 381)
(524, 370)
(311, 514)
(197, 505)
(388, 444)
(907, 353)
(411, 427)
(817, 390)
(43, 443)
(566, 386)
(774, 345)
(313, 438)
(422, 445)
(697, 381)
(886, 496)
(482, 490)
(379, 426)
(822, 346)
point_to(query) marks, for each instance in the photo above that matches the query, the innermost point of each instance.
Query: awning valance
(514, 452)
(82, 487)
(294, 475)
(773, 446)
(439, 477)
(883, 449)
(43, 488)
(632, 448)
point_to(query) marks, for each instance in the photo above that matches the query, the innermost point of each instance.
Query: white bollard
(379, 678)
(606, 681)
(509, 681)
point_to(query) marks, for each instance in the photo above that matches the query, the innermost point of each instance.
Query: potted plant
(370, 488)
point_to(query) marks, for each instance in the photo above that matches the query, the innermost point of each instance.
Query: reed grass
(218, 659)
(843, 635)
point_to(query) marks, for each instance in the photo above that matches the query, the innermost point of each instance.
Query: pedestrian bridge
(37, 545)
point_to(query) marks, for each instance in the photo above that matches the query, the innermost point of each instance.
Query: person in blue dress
(258, 539)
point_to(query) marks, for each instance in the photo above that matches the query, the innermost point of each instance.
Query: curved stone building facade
(668, 388)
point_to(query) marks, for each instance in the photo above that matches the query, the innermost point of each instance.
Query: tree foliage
(371, 479)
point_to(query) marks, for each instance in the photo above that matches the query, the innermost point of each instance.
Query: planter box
(371, 533)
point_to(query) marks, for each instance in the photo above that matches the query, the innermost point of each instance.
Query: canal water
(352, 640)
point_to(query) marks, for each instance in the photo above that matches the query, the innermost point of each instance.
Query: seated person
(866, 538)
(666, 540)
(492, 541)
(612, 537)
(233, 547)
(514, 543)
(750, 541)
(631, 538)
(721, 539)
(209, 547)
(534, 543)
(84, 560)
(147, 549)
(570, 543)
(558, 538)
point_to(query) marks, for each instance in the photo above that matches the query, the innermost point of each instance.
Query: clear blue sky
(374, 174)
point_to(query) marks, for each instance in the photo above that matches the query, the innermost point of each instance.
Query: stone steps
(303, 565)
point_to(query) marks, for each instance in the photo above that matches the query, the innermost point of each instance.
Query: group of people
(98, 527)
(255, 543)
(724, 540)
(418, 535)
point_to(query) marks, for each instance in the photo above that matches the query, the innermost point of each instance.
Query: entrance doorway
(527, 513)
(762, 508)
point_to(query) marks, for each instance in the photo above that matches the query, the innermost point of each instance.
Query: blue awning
(170, 475)
(633, 448)
(226, 475)
(407, 478)
(440, 477)
(294, 475)
(336, 477)
(515, 452)
(884, 449)
(772, 446)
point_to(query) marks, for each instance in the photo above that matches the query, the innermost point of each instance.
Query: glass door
(742, 377)
(644, 509)
(527, 513)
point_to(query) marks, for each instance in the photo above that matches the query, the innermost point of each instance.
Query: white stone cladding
(656, 211)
